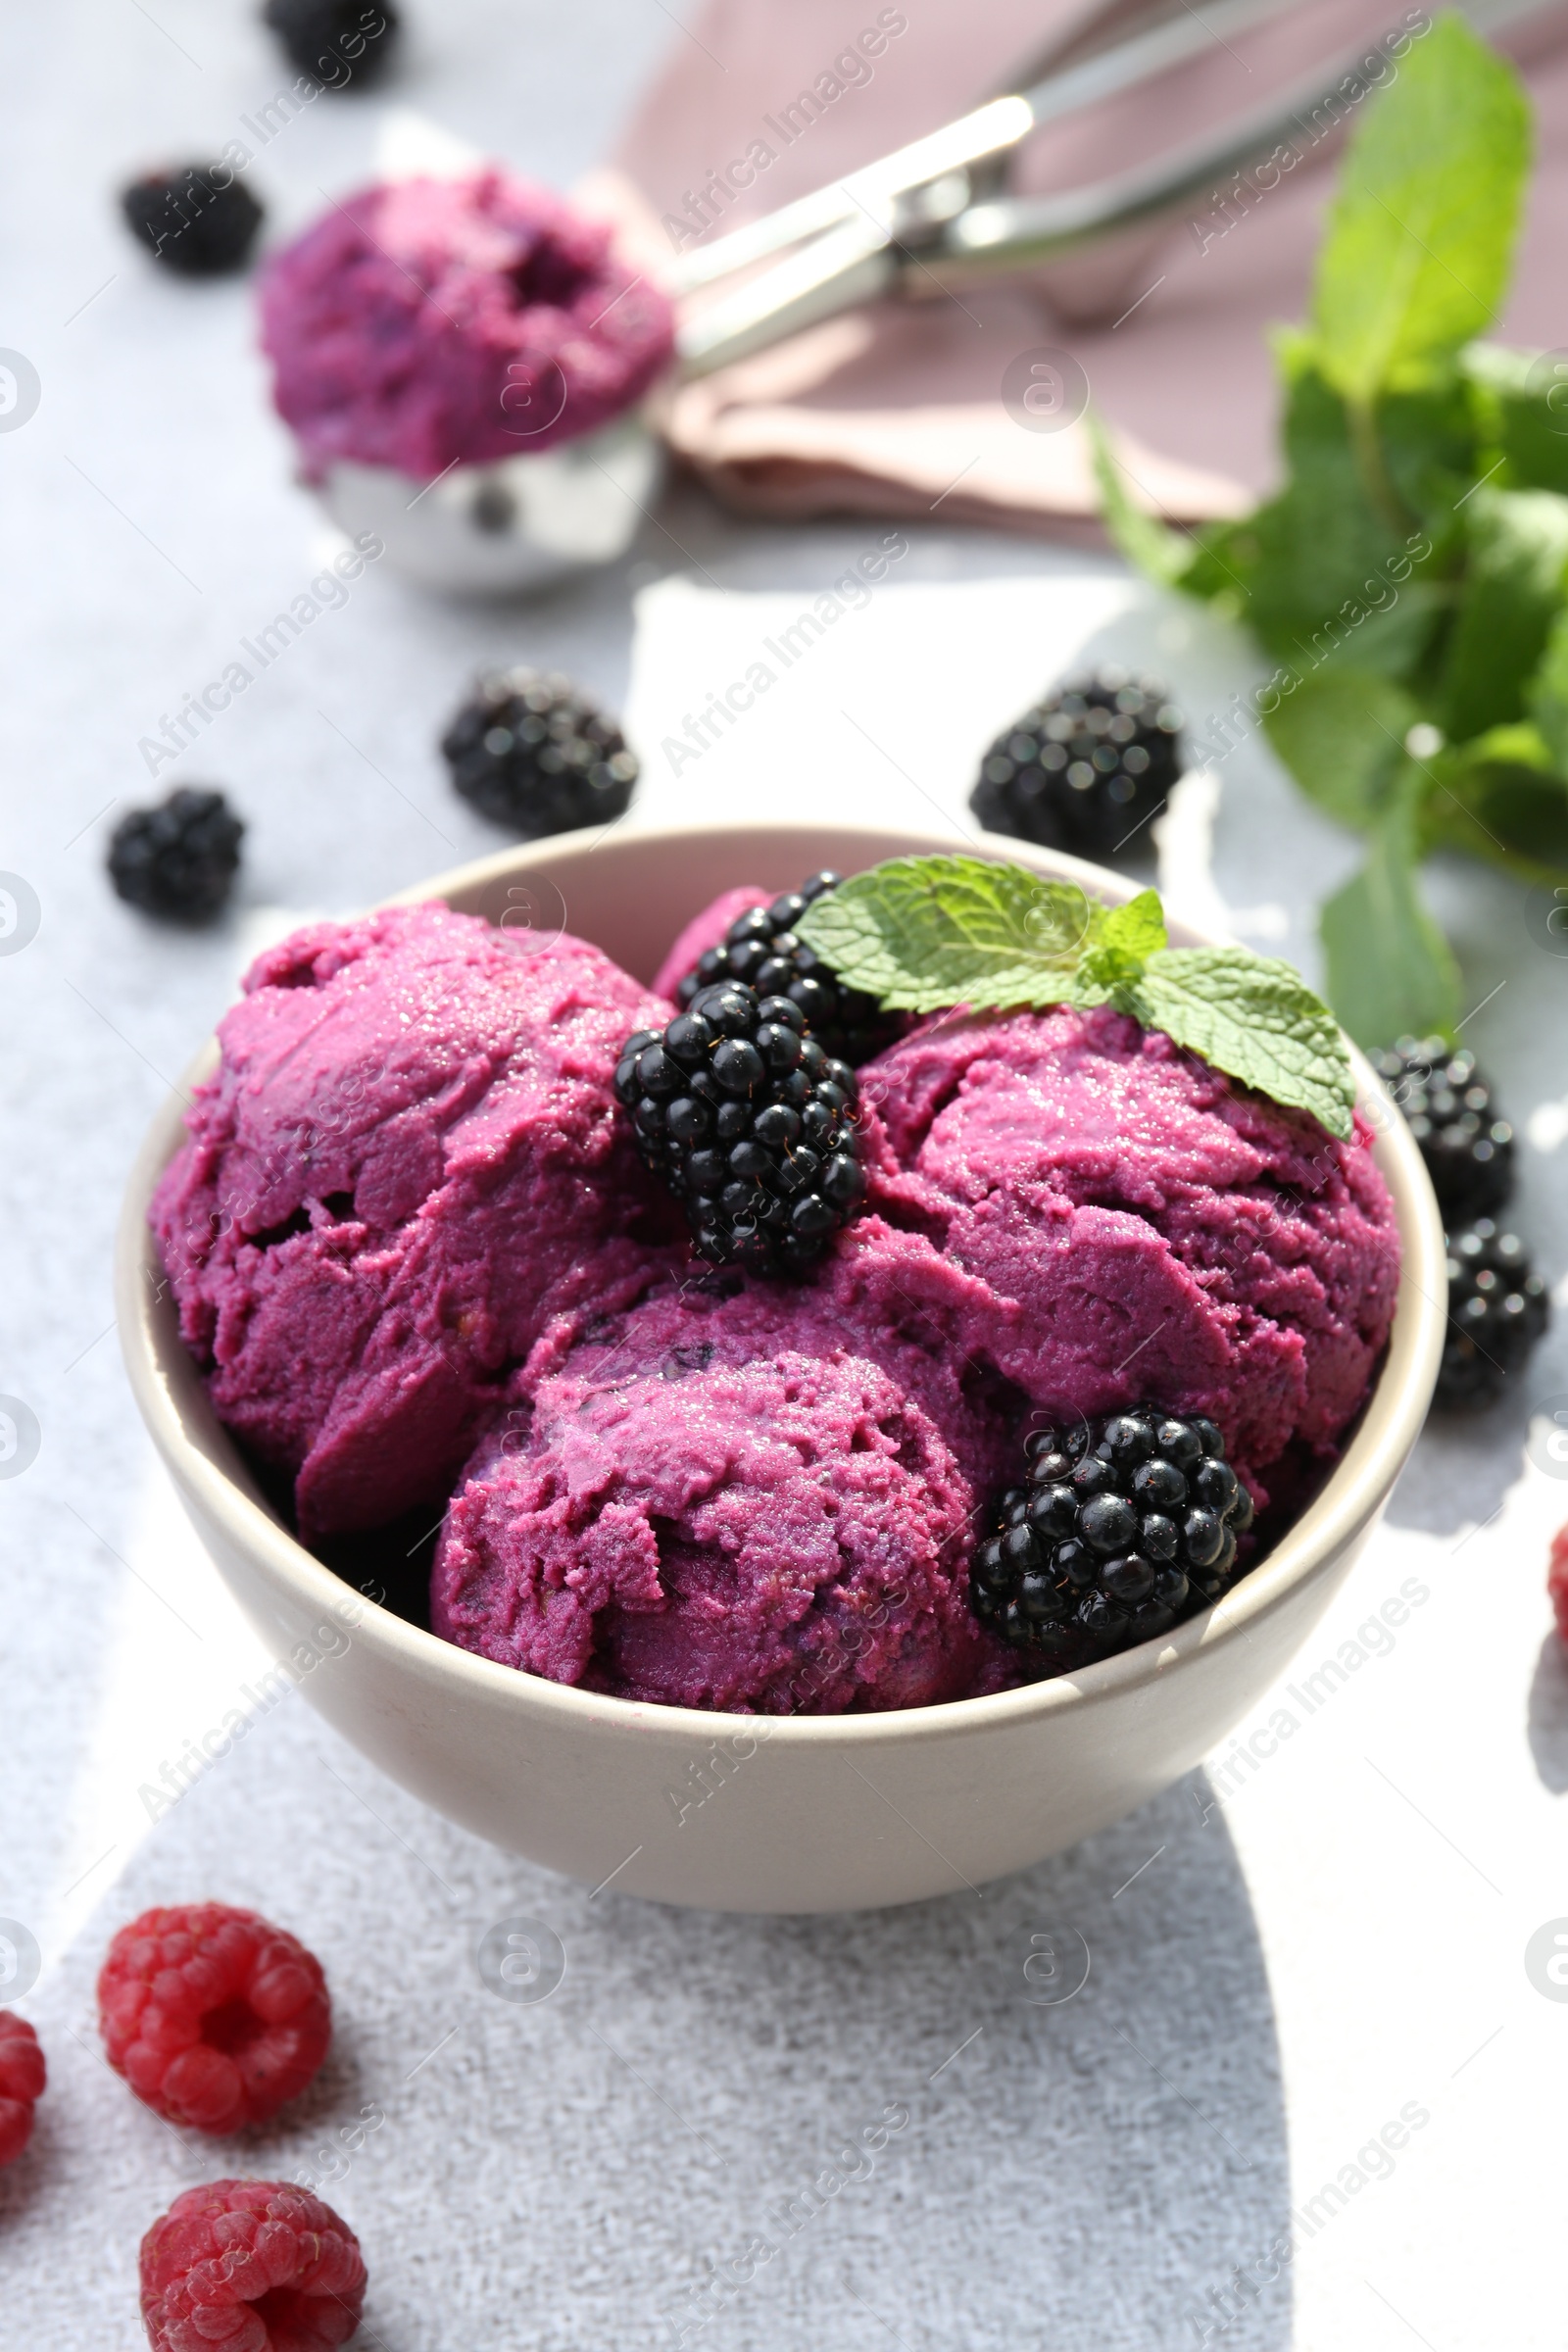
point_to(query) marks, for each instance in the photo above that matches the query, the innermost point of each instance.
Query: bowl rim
(158, 1366)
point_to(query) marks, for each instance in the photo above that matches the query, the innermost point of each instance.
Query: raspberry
(22, 2082)
(250, 2266)
(1557, 1589)
(214, 2017)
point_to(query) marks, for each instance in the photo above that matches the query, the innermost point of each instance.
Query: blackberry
(197, 219)
(762, 950)
(1123, 1526)
(1468, 1150)
(1496, 1313)
(1086, 768)
(750, 1122)
(179, 860)
(337, 42)
(530, 751)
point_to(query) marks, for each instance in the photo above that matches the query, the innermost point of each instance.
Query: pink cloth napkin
(897, 408)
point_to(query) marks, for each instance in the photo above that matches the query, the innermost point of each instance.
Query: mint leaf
(1123, 940)
(1427, 451)
(1319, 560)
(1389, 969)
(1257, 1020)
(1513, 590)
(1342, 736)
(1501, 798)
(1394, 642)
(924, 933)
(1520, 400)
(1415, 562)
(1150, 546)
(1223, 557)
(1421, 231)
(921, 933)
(1547, 694)
(1322, 566)
(1135, 929)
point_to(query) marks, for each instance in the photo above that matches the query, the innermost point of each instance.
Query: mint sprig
(1421, 231)
(922, 934)
(1409, 581)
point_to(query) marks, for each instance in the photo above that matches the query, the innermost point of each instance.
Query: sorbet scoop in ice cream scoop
(468, 368)
(475, 376)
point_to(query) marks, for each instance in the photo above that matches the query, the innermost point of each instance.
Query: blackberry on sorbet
(1084, 769)
(762, 950)
(1122, 1527)
(197, 219)
(531, 751)
(1497, 1310)
(1449, 1104)
(750, 1122)
(179, 859)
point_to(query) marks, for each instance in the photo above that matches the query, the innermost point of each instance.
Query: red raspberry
(22, 2082)
(214, 2017)
(1558, 1580)
(250, 2266)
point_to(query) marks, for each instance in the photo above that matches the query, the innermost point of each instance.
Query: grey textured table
(1287, 1954)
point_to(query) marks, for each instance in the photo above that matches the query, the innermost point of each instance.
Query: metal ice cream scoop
(514, 523)
(928, 220)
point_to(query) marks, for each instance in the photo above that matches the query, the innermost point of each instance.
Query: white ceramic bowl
(807, 1813)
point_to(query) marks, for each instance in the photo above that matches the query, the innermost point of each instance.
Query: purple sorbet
(407, 1162)
(421, 323)
(733, 1503)
(1100, 1217)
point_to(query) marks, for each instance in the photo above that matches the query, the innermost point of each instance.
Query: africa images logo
(1546, 1959)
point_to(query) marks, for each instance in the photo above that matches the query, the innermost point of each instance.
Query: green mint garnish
(1409, 581)
(922, 934)
(1421, 231)
(1255, 1019)
(1390, 966)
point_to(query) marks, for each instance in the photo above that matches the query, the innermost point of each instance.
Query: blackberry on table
(1124, 1526)
(1449, 1104)
(337, 42)
(750, 1123)
(197, 219)
(530, 751)
(1085, 768)
(1497, 1310)
(760, 948)
(179, 860)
